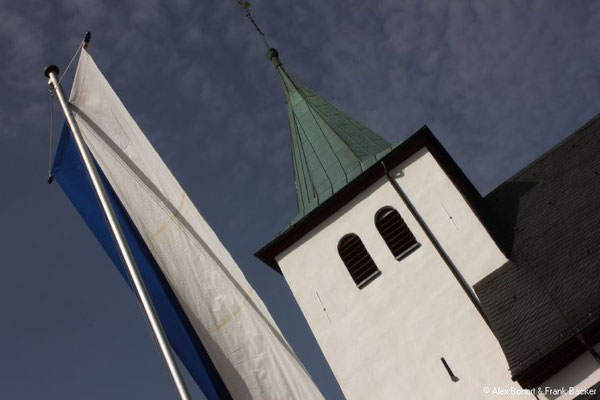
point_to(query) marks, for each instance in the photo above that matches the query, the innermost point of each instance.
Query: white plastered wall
(386, 340)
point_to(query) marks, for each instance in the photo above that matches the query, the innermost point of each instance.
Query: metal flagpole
(51, 73)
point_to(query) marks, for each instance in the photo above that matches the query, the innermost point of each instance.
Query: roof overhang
(561, 356)
(423, 138)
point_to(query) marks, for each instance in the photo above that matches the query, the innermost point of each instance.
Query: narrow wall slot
(452, 376)
(324, 308)
(450, 217)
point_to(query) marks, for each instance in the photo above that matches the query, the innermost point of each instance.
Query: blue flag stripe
(69, 171)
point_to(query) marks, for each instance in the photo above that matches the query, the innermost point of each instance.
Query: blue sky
(497, 82)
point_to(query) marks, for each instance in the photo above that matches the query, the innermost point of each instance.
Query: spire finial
(246, 6)
(273, 55)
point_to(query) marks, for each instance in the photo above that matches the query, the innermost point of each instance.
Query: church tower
(382, 257)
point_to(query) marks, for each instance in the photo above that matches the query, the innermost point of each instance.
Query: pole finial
(86, 39)
(50, 68)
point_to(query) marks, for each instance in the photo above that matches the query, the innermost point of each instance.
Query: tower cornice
(423, 138)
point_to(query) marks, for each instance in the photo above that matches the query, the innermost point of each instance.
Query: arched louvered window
(395, 233)
(355, 256)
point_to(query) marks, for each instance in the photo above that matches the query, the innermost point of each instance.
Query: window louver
(395, 233)
(361, 266)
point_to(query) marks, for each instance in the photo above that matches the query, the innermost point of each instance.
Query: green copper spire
(329, 149)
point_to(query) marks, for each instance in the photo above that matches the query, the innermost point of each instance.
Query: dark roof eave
(420, 139)
(535, 373)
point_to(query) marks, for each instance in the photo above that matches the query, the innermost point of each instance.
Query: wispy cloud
(497, 82)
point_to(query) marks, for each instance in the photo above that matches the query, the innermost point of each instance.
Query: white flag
(240, 336)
